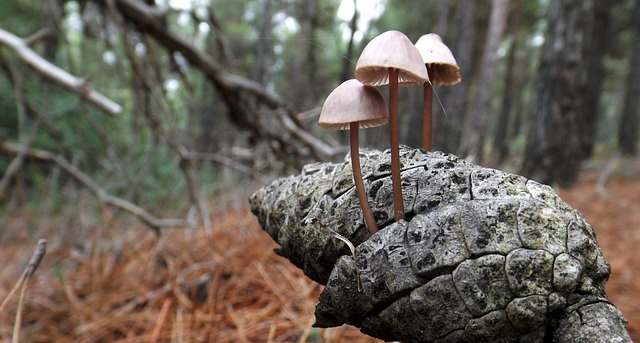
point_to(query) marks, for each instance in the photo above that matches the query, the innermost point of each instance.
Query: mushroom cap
(442, 66)
(351, 102)
(391, 49)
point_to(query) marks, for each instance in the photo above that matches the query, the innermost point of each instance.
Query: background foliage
(297, 50)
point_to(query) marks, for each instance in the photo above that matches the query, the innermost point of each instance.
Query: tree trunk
(54, 29)
(503, 124)
(599, 46)
(313, 16)
(305, 67)
(264, 43)
(412, 135)
(475, 127)
(443, 17)
(347, 63)
(554, 150)
(628, 133)
(450, 128)
(440, 122)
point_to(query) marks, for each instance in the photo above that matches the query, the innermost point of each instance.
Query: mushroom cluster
(388, 59)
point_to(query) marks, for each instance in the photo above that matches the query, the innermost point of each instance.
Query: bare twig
(39, 35)
(603, 178)
(33, 264)
(13, 168)
(605, 174)
(316, 145)
(23, 283)
(16, 164)
(146, 217)
(57, 75)
(229, 162)
(193, 188)
(149, 88)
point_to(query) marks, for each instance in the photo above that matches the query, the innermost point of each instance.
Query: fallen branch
(57, 75)
(146, 217)
(228, 162)
(232, 88)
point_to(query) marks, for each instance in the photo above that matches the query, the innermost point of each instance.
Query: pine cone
(483, 255)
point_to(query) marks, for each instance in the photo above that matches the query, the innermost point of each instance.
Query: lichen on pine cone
(482, 255)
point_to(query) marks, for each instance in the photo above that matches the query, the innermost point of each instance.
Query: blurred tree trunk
(443, 17)
(54, 29)
(628, 132)
(313, 18)
(347, 60)
(305, 61)
(444, 93)
(476, 126)
(503, 125)
(449, 129)
(600, 38)
(554, 149)
(264, 43)
(412, 134)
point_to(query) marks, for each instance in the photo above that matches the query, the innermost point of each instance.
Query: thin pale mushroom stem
(398, 205)
(369, 219)
(427, 116)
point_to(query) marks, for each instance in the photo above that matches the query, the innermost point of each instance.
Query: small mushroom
(442, 69)
(391, 58)
(352, 106)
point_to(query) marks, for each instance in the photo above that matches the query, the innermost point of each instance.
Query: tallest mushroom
(391, 58)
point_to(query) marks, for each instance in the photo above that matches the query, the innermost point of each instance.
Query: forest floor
(124, 284)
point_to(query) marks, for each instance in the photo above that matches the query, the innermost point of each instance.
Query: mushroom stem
(398, 205)
(427, 116)
(369, 219)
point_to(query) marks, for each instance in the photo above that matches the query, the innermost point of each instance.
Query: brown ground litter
(129, 286)
(120, 284)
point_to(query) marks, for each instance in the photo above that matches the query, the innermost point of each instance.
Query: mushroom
(442, 69)
(352, 106)
(391, 58)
